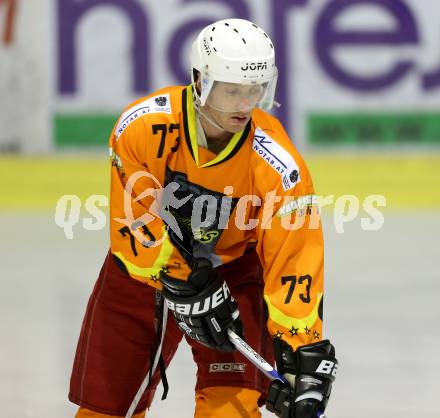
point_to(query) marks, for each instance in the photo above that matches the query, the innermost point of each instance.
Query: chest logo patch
(156, 104)
(277, 157)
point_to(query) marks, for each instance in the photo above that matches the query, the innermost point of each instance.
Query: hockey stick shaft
(258, 361)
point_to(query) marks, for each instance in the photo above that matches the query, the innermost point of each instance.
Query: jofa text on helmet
(252, 66)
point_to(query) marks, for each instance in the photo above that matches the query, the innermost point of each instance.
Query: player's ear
(197, 80)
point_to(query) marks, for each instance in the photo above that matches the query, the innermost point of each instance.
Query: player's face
(230, 122)
(235, 98)
(231, 104)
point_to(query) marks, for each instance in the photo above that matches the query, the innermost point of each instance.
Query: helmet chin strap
(208, 119)
(196, 101)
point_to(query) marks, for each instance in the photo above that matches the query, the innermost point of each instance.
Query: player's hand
(203, 306)
(310, 371)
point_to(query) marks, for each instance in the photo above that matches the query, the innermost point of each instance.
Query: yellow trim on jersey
(192, 129)
(166, 250)
(288, 322)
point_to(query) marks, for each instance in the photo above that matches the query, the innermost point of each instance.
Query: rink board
(407, 182)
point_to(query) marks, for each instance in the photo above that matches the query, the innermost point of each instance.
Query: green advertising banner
(374, 128)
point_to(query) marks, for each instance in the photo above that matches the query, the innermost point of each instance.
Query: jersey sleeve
(138, 235)
(290, 247)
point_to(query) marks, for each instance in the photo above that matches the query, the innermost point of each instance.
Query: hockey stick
(258, 361)
(244, 348)
(146, 380)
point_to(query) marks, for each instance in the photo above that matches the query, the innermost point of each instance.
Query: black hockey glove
(310, 371)
(203, 306)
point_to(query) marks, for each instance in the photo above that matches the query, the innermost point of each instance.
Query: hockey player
(213, 220)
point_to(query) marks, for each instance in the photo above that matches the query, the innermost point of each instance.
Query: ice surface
(381, 312)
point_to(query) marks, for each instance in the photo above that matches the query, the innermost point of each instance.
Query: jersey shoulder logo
(277, 157)
(156, 104)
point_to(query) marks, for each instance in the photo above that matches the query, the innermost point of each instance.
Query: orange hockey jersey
(170, 196)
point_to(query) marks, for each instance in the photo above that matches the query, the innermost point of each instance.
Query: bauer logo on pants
(227, 367)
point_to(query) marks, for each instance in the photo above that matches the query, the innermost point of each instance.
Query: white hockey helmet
(235, 51)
